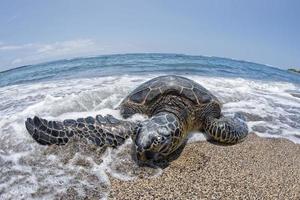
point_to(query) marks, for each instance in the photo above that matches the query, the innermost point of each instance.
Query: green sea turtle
(175, 106)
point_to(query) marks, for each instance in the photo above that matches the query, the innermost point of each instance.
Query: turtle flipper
(47, 132)
(102, 131)
(228, 130)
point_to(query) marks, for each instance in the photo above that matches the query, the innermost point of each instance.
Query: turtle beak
(145, 156)
(140, 153)
(141, 157)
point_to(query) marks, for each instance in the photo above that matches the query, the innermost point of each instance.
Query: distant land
(294, 70)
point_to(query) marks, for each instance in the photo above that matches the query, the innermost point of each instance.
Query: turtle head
(153, 138)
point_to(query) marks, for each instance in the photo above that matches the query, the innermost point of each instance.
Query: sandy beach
(258, 168)
(90, 90)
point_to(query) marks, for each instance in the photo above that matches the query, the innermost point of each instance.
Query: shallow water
(87, 87)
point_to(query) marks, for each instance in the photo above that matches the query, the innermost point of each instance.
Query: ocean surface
(269, 98)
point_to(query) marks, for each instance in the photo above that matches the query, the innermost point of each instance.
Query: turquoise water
(268, 97)
(144, 64)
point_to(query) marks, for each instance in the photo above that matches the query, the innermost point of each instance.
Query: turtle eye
(157, 140)
(159, 137)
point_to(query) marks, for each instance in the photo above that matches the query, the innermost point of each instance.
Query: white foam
(195, 137)
(269, 107)
(120, 164)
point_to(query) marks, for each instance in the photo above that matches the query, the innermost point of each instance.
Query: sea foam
(29, 170)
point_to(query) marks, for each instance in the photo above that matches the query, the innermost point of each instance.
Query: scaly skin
(175, 106)
(102, 131)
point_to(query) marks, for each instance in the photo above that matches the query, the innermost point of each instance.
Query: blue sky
(263, 31)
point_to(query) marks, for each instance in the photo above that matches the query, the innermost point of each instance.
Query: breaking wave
(29, 170)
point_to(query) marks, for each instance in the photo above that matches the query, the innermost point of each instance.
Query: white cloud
(17, 61)
(66, 46)
(30, 53)
(4, 47)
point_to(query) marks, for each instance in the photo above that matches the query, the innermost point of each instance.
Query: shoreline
(258, 168)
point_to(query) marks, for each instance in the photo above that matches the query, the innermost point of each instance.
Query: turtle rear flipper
(100, 130)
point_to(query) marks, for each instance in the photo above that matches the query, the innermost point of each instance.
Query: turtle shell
(151, 91)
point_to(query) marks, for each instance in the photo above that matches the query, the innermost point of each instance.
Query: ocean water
(268, 97)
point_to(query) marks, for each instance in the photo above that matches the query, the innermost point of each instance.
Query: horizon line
(120, 54)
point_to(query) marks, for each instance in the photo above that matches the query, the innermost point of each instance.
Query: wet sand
(258, 168)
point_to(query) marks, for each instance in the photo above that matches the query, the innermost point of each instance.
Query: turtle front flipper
(102, 131)
(229, 130)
